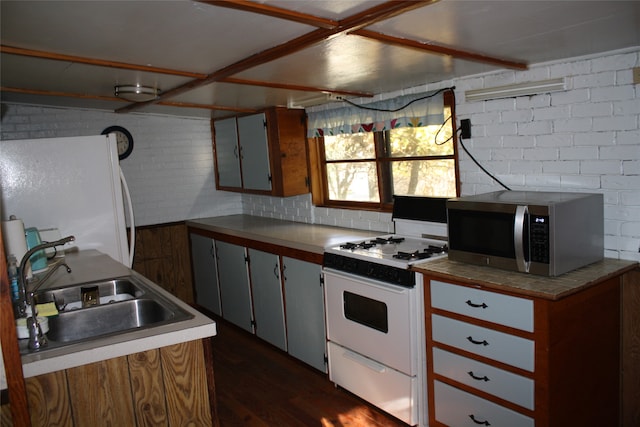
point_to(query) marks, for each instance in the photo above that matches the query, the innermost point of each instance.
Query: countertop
(311, 238)
(91, 265)
(552, 288)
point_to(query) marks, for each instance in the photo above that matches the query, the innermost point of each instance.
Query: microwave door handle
(518, 238)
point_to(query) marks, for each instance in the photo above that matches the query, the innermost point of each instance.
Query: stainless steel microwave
(544, 233)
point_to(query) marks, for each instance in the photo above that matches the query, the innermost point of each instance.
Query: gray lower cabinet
(235, 292)
(205, 274)
(268, 306)
(304, 298)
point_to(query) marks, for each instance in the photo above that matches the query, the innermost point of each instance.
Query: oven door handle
(519, 238)
(371, 283)
(367, 363)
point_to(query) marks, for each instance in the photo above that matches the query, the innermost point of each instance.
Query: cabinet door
(305, 312)
(256, 170)
(266, 289)
(205, 273)
(234, 285)
(227, 156)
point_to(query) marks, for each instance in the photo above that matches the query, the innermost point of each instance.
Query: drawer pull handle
(472, 341)
(485, 423)
(470, 304)
(475, 377)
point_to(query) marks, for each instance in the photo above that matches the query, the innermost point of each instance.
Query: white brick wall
(169, 173)
(584, 139)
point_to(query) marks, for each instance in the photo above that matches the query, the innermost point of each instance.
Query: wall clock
(124, 140)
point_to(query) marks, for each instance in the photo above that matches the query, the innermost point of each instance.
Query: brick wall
(584, 139)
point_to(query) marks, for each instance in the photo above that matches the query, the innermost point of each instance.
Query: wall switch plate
(636, 75)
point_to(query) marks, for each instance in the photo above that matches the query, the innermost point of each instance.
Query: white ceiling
(212, 41)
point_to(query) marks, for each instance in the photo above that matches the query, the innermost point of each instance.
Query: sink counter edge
(91, 265)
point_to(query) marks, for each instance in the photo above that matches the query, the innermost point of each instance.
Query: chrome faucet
(36, 338)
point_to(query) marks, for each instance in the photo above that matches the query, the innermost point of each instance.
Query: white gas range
(375, 310)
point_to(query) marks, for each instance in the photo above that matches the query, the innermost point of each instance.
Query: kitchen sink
(69, 298)
(125, 304)
(108, 318)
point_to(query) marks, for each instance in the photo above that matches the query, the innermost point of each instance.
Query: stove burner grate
(424, 254)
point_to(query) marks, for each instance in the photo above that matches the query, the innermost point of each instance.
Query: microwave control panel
(539, 238)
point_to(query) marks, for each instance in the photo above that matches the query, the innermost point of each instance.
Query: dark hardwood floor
(259, 385)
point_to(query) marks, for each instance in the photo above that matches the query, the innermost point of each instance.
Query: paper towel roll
(15, 242)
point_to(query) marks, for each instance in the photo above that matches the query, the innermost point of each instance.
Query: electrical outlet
(465, 129)
(636, 75)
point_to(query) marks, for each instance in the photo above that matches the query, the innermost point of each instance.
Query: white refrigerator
(72, 184)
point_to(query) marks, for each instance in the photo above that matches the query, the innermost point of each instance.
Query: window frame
(318, 162)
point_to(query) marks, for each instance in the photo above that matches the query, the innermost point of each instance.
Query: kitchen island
(529, 350)
(149, 376)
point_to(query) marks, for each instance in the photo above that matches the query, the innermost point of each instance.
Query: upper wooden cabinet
(262, 153)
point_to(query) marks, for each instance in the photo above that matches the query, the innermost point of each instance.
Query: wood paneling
(162, 387)
(631, 349)
(162, 255)
(49, 400)
(100, 393)
(184, 370)
(147, 385)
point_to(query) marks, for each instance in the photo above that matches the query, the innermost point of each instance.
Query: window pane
(434, 178)
(350, 147)
(353, 181)
(422, 141)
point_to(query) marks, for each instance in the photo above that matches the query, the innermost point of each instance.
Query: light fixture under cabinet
(519, 89)
(137, 93)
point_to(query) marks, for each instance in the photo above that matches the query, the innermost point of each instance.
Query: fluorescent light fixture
(137, 92)
(520, 89)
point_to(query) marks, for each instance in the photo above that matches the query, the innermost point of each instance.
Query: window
(364, 170)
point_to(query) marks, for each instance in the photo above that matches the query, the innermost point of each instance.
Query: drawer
(490, 306)
(506, 348)
(456, 408)
(390, 390)
(500, 383)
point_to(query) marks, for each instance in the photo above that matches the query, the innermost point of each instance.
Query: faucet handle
(37, 339)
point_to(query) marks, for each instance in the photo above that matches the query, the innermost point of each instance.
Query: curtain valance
(404, 111)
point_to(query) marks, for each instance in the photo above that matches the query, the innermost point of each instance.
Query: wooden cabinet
(306, 332)
(166, 386)
(235, 292)
(205, 273)
(504, 359)
(262, 153)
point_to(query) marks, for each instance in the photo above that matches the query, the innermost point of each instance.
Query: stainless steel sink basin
(126, 304)
(68, 298)
(109, 318)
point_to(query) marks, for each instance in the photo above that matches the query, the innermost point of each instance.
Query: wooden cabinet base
(170, 386)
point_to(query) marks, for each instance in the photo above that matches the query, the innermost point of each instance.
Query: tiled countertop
(552, 288)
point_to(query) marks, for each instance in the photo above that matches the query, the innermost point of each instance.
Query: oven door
(375, 319)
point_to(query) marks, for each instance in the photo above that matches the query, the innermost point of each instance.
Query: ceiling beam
(296, 87)
(357, 21)
(116, 99)
(440, 49)
(99, 62)
(276, 12)
(128, 66)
